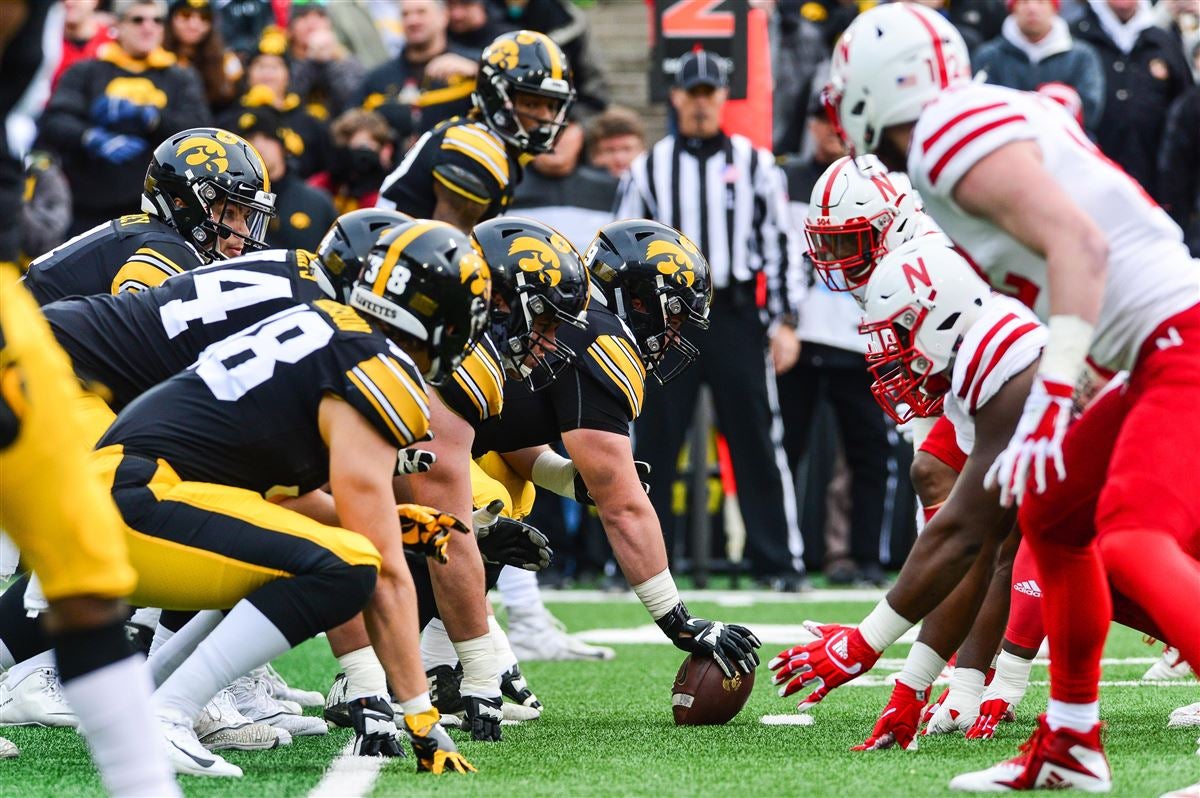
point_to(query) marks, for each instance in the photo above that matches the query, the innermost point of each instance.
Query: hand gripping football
(703, 695)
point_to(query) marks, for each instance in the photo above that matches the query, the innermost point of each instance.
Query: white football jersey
(1151, 276)
(1002, 342)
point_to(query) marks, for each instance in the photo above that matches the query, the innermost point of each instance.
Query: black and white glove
(483, 715)
(414, 461)
(505, 541)
(374, 724)
(436, 752)
(731, 645)
(584, 497)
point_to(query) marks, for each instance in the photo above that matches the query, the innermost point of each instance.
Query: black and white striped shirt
(731, 200)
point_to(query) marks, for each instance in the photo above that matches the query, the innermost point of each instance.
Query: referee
(729, 198)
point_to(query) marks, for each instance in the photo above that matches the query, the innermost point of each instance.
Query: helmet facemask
(510, 123)
(658, 325)
(844, 254)
(523, 336)
(252, 208)
(905, 382)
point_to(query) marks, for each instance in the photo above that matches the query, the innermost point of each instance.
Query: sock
(364, 674)
(1011, 679)
(481, 674)
(883, 626)
(146, 616)
(113, 706)
(519, 590)
(18, 672)
(241, 642)
(436, 648)
(1079, 717)
(506, 660)
(921, 667)
(169, 649)
(1153, 570)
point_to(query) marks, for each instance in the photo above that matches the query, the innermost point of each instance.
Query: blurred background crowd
(332, 93)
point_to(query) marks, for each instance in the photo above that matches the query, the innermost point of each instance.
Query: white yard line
(729, 598)
(349, 775)
(871, 680)
(785, 634)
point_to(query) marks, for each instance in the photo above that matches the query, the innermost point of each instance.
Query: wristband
(658, 594)
(883, 626)
(1066, 349)
(555, 473)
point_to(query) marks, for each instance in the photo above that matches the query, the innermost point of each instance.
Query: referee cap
(701, 68)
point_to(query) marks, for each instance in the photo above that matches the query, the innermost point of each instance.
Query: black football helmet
(530, 62)
(201, 170)
(541, 279)
(424, 281)
(656, 280)
(344, 249)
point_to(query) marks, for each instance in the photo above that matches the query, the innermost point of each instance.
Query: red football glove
(1038, 438)
(898, 723)
(838, 655)
(991, 712)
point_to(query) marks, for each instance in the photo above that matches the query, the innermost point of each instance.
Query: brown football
(704, 696)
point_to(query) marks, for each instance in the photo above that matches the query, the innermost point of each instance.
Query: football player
(464, 171)
(206, 197)
(1015, 182)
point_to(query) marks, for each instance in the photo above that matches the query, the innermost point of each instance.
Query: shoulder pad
(389, 393)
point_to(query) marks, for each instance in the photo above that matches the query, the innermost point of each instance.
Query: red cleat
(1060, 760)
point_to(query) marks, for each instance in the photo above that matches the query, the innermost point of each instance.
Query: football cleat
(992, 712)
(337, 712)
(284, 692)
(220, 727)
(1170, 666)
(186, 753)
(1184, 792)
(254, 700)
(538, 635)
(897, 726)
(1185, 716)
(8, 750)
(36, 700)
(1062, 759)
(516, 689)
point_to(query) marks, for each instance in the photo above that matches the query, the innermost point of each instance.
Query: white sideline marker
(349, 775)
(793, 719)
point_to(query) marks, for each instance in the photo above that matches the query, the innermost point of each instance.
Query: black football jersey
(463, 155)
(132, 341)
(127, 254)
(603, 390)
(245, 414)
(475, 390)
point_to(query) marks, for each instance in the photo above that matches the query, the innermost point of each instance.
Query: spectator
(797, 49)
(46, 213)
(614, 139)
(302, 213)
(984, 17)
(324, 74)
(191, 36)
(268, 80)
(574, 199)
(1179, 166)
(386, 14)
(430, 75)
(1181, 18)
(242, 23)
(355, 28)
(1144, 71)
(83, 33)
(729, 197)
(108, 113)
(971, 35)
(362, 157)
(1035, 48)
(472, 25)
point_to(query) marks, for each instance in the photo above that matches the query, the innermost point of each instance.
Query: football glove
(838, 655)
(116, 149)
(483, 715)
(1037, 440)
(374, 725)
(414, 461)
(506, 541)
(436, 752)
(956, 714)
(897, 726)
(584, 497)
(514, 687)
(991, 712)
(426, 531)
(731, 645)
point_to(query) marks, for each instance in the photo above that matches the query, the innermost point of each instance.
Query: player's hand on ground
(954, 714)
(584, 497)
(991, 712)
(732, 646)
(1036, 442)
(483, 715)
(838, 655)
(898, 724)
(436, 752)
(426, 531)
(374, 724)
(506, 541)
(415, 461)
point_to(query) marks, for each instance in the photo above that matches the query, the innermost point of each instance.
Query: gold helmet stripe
(393, 254)
(556, 62)
(262, 166)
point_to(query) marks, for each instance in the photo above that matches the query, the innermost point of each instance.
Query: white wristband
(883, 626)
(555, 473)
(658, 594)
(1066, 349)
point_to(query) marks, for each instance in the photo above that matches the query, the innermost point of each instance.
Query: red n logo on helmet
(886, 189)
(917, 273)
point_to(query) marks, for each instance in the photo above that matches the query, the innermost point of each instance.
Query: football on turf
(704, 696)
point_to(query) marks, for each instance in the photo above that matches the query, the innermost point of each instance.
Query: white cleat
(1169, 667)
(1059, 760)
(8, 749)
(36, 700)
(284, 692)
(1183, 792)
(254, 700)
(538, 635)
(186, 753)
(220, 726)
(1185, 716)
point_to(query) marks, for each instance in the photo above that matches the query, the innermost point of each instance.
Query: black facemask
(359, 168)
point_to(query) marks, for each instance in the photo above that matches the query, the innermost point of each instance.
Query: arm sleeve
(391, 396)
(781, 244)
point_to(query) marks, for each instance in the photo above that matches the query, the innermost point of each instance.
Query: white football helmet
(921, 300)
(858, 211)
(889, 64)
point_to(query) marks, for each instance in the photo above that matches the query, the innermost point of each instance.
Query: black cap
(700, 68)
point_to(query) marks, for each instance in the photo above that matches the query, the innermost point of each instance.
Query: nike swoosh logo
(202, 763)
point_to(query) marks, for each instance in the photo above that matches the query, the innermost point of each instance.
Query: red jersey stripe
(997, 356)
(979, 350)
(944, 129)
(942, 162)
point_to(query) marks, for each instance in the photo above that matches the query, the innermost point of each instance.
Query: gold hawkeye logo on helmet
(504, 54)
(204, 152)
(676, 260)
(541, 258)
(475, 274)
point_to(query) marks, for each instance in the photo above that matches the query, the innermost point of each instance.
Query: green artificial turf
(607, 730)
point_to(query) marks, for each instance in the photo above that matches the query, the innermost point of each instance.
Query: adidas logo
(841, 647)
(1029, 588)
